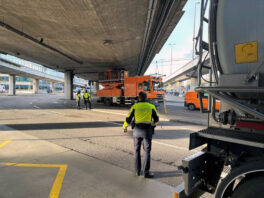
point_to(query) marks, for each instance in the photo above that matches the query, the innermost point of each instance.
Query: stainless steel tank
(240, 35)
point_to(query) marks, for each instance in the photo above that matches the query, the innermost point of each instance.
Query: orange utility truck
(118, 88)
(192, 101)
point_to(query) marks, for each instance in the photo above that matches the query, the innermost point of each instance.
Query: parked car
(192, 101)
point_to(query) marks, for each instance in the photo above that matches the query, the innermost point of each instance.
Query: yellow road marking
(4, 143)
(56, 187)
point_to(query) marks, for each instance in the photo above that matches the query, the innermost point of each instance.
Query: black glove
(133, 124)
(153, 129)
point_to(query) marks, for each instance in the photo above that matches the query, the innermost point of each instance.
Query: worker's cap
(142, 96)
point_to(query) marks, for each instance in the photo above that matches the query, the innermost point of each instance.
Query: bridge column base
(12, 85)
(35, 86)
(194, 83)
(68, 85)
(52, 86)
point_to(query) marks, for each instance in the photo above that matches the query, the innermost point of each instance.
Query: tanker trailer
(231, 161)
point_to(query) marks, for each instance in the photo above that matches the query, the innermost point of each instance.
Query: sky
(182, 43)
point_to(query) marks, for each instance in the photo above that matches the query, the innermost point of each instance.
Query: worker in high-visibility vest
(78, 99)
(145, 120)
(87, 99)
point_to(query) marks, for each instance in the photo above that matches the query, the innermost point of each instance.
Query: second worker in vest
(78, 99)
(87, 99)
(145, 120)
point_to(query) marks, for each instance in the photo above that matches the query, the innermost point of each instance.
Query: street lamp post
(171, 44)
(196, 3)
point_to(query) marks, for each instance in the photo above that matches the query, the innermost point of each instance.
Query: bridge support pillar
(194, 83)
(96, 85)
(12, 85)
(52, 86)
(35, 86)
(179, 86)
(68, 85)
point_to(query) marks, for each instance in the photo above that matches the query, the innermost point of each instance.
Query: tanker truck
(230, 162)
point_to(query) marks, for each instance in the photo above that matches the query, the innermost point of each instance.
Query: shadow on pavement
(84, 138)
(167, 174)
(73, 125)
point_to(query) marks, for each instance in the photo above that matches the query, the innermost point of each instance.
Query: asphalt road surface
(49, 148)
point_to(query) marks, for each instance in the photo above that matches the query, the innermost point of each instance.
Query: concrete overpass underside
(88, 36)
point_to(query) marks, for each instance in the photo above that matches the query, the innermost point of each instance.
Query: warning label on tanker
(246, 52)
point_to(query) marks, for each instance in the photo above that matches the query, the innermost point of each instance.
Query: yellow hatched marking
(4, 143)
(56, 187)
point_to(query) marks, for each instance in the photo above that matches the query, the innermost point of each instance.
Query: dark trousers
(137, 158)
(78, 104)
(86, 102)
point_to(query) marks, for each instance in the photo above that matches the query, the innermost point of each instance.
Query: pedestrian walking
(78, 99)
(87, 99)
(143, 117)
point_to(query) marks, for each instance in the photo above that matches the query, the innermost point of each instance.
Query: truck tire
(108, 102)
(252, 187)
(133, 101)
(249, 170)
(191, 107)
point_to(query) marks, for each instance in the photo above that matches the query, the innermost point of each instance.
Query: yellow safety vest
(143, 113)
(86, 95)
(78, 96)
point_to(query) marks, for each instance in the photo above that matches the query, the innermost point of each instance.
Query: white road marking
(170, 145)
(123, 114)
(36, 107)
(157, 142)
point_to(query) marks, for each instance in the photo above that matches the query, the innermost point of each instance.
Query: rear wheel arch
(191, 106)
(247, 171)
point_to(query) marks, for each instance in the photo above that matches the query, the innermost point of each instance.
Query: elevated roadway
(15, 69)
(187, 71)
(86, 37)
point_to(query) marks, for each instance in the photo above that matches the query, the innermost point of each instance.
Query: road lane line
(56, 187)
(157, 142)
(123, 114)
(36, 107)
(4, 143)
(170, 145)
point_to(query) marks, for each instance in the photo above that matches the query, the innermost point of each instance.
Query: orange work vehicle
(192, 101)
(120, 89)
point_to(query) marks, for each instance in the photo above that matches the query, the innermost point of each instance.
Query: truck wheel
(108, 102)
(191, 107)
(133, 101)
(253, 187)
